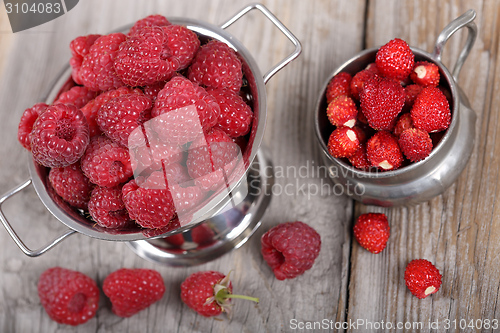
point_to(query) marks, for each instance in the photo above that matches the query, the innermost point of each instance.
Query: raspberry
(152, 90)
(290, 249)
(425, 74)
(422, 278)
(183, 110)
(148, 21)
(358, 82)
(372, 231)
(342, 111)
(411, 93)
(150, 208)
(60, 136)
(183, 44)
(176, 240)
(106, 163)
(209, 292)
(383, 151)
(107, 208)
(395, 59)
(339, 85)
(403, 123)
(78, 96)
(202, 234)
(343, 142)
(91, 109)
(235, 117)
(415, 144)
(431, 111)
(382, 99)
(71, 184)
(121, 115)
(185, 198)
(68, 297)
(133, 290)
(97, 71)
(359, 160)
(80, 47)
(216, 65)
(26, 124)
(209, 158)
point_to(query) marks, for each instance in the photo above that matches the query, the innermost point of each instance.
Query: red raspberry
(80, 47)
(133, 290)
(176, 240)
(91, 109)
(183, 44)
(395, 59)
(342, 111)
(411, 93)
(425, 74)
(343, 142)
(71, 184)
(106, 163)
(415, 144)
(68, 297)
(107, 208)
(403, 123)
(372, 231)
(209, 158)
(382, 99)
(150, 208)
(235, 117)
(359, 160)
(97, 71)
(183, 110)
(339, 85)
(121, 115)
(431, 111)
(216, 65)
(358, 82)
(383, 151)
(422, 278)
(152, 90)
(60, 136)
(148, 21)
(209, 292)
(290, 249)
(26, 124)
(202, 235)
(185, 198)
(78, 96)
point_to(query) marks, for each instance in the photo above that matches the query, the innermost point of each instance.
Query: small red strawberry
(422, 278)
(431, 111)
(411, 93)
(383, 151)
(209, 293)
(425, 74)
(342, 111)
(372, 231)
(415, 144)
(395, 59)
(359, 159)
(382, 99)
(339, 85)
(403, 123)
(343, 142)
(358, 82)
(133, 290)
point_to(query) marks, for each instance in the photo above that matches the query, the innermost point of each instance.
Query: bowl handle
(12, 233)
(464, 20)
(280, 26)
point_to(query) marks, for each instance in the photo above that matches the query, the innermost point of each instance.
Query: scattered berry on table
(422, 278)
(372, 231)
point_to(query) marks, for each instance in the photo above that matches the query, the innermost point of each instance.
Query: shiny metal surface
(231, 228)
(421, 181)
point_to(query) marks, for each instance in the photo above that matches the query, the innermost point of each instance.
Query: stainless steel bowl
(421, 181)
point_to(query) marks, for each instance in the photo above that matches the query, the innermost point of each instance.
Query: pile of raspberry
(390, 114)
(151, 125)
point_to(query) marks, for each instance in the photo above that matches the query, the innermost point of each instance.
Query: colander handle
(280, 26)
(12, 233)
(464, 20)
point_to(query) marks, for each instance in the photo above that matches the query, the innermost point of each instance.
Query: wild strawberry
(372, 231)
(383, 151)
(411, 93)
(342, 111)
(422, 278)
(343, 142)
(425, 74)
(358, 82)
(382, 99)
(209, 293)
(415, 144)
(403, 123)
(395, 59)
(431, 111)
(359, 159)
(339, 85)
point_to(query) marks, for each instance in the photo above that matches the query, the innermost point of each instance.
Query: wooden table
(458, 231)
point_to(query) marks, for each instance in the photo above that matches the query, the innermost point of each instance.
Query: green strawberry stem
(224, 294)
